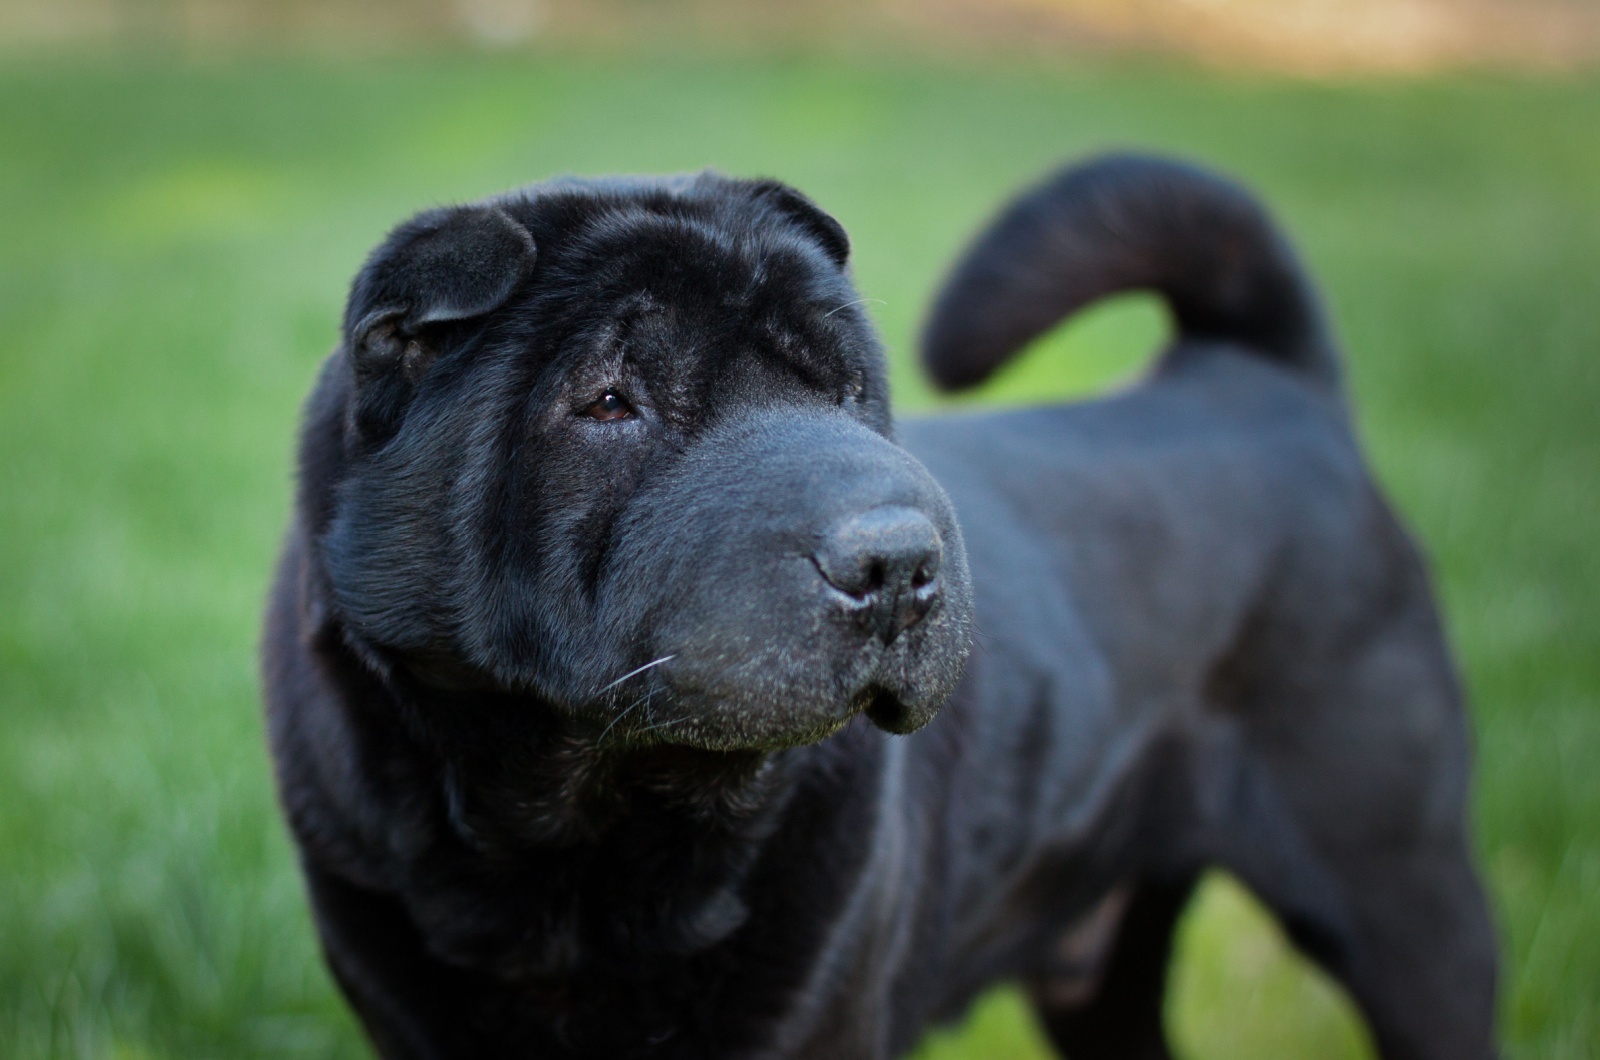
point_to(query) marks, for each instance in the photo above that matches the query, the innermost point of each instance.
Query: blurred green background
(176, 232)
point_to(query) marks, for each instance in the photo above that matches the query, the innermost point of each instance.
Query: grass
(174, 243)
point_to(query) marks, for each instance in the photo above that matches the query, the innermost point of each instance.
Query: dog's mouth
(674, 708)
(658, 704)
(885, 709)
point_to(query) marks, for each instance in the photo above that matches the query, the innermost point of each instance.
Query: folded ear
(808, 215)
(443, 265)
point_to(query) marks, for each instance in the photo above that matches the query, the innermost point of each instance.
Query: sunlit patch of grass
(1239, 989)
(999, 1027)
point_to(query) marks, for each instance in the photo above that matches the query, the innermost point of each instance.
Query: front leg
(1115, 1010)
(411, 1006)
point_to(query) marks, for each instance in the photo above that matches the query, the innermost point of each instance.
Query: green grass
(174, 246)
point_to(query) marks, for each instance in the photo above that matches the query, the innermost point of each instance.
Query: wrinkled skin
(489, 523)
(630, 694)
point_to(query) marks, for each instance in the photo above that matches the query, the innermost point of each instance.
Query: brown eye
(610, 406)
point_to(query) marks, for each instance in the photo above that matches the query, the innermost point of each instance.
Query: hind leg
(1101, 999)
(1405, 930)
(1421, 961)
(1346, 814)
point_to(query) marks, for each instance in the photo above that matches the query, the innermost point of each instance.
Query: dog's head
(625, 446)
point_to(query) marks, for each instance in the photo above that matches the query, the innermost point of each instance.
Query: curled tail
(1119, 223)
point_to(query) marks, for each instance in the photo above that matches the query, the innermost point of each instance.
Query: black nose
(886, 561)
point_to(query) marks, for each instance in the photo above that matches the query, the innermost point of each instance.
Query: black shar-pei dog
(637, 689)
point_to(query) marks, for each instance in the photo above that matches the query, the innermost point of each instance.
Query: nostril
(884, 559)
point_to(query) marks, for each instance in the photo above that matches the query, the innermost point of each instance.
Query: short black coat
(579, 766)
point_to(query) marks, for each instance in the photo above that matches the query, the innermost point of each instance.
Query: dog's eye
(610, 406)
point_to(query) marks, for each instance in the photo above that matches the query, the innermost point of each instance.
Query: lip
(885, 709)
(672, 706)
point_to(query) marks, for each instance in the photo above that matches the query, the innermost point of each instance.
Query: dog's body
(650, 826)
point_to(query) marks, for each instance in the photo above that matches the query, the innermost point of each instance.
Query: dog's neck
(520, 776)
(573, 853)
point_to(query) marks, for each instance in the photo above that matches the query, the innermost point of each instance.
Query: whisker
(629, 709)
(635, 673)
(662, 724)
(847, 305)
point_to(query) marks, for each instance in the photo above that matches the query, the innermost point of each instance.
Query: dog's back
(1205, 638)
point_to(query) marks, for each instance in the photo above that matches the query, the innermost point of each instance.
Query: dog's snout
(886, 561)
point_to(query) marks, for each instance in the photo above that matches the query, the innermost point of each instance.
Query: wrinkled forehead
(675, 292)
(716, 254)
